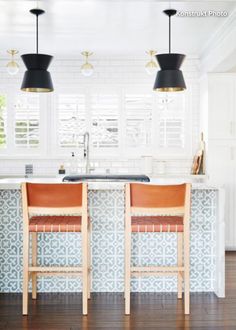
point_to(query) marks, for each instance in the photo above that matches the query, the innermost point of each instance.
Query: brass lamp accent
(87, 68)
(151, 66)
(12, 66)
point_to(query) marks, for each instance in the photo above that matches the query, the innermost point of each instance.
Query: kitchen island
(106, 205)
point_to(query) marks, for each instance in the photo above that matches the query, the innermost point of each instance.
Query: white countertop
(14, 183)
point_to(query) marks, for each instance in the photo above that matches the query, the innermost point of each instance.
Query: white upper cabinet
(221, 153)
(222, 105)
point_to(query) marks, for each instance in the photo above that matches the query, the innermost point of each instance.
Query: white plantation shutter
(104, 120)
(151, 122)
(72, 120)
(3, 121)
(171, 114)
(27, 112)
(138, 113)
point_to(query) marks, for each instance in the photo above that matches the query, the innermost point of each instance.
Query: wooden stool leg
(25, 270)
(124, 288)
(186, 272)
(180, 262)
(85, 269)
(89, 262)
(34, 263)
(127, 268)
(127, 249)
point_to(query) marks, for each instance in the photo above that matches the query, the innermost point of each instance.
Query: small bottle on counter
(62, 170)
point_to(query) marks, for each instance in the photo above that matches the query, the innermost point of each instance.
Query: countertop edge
(14, 184)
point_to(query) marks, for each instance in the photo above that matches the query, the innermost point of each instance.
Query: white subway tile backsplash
(50, 167)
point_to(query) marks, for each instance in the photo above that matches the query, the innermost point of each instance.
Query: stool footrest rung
(70, 274)
(143, 274)
(157, 269)
(55, 269)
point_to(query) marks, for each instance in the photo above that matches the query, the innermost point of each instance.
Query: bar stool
(54, 208)
(154, 208)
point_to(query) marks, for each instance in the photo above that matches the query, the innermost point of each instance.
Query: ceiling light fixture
(37, 78)
(12, 66)
(87, 69)
(170, 78)
(151, 66)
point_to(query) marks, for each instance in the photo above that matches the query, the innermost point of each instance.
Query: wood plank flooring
(106, 310)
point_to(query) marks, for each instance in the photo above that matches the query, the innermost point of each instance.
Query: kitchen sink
(106, 177)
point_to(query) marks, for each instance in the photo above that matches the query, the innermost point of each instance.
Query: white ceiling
(109, 27)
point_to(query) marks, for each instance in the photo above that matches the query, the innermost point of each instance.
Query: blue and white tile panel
(107, 214)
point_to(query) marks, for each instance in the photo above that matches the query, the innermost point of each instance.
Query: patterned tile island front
(106, 205)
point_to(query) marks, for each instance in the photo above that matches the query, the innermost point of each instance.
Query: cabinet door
(221, 101)
(222, 172)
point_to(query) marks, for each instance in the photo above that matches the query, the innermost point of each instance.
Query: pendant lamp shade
(37, 78)
(170, 78)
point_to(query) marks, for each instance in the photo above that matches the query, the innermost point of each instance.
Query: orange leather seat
(55, 224)
(157, 224)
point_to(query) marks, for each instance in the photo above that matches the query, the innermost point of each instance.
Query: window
(96, 113)
(138, 113)
(172, 119)
(138, 120)
(3, 121)
(72, 121)
(27, 121)
(104, 117)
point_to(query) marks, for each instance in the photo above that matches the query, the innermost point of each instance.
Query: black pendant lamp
(37, 78)
(170, 78)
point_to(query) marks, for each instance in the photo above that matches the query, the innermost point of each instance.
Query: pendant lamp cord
(37, 34)
(169, 34)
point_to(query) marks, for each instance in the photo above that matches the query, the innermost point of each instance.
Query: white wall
(108, 72)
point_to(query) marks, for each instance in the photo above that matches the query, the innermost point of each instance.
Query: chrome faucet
(29, 170)
(86, 151)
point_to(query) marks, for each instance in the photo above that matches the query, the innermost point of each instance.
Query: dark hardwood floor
(106, 310)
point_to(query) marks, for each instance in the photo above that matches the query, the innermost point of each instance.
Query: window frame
(94, 152)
